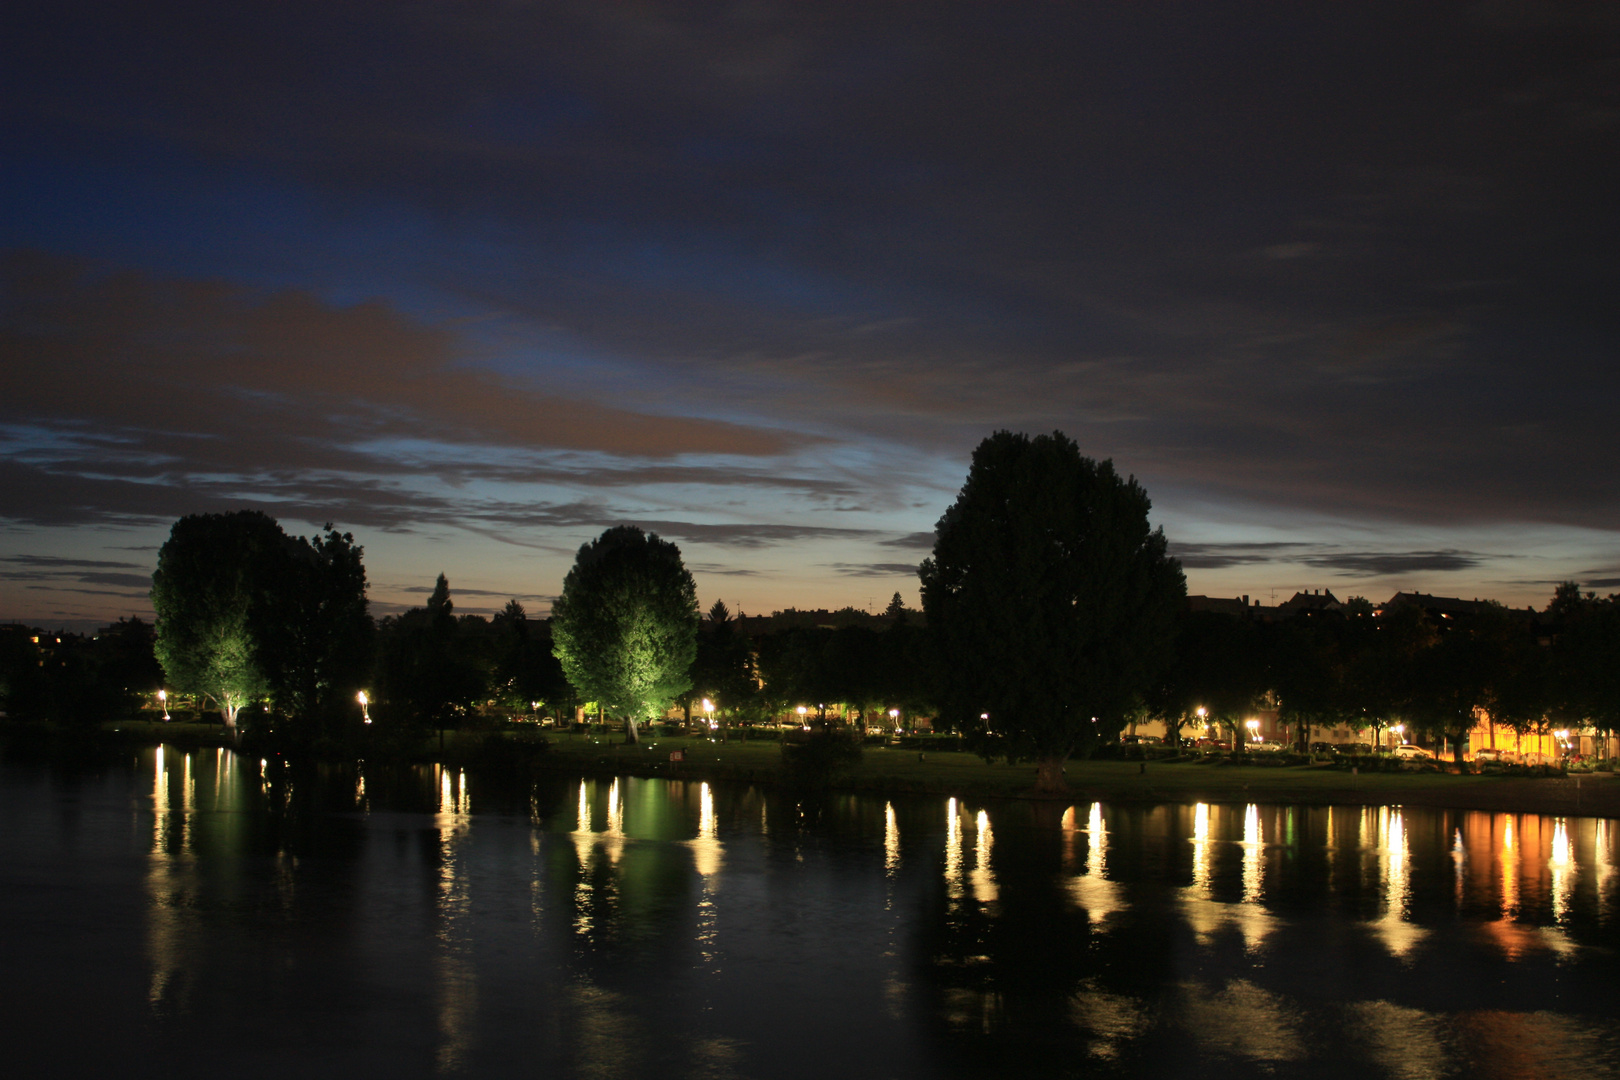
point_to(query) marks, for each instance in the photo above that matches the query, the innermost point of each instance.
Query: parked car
(1413, 753)
(1491, 753)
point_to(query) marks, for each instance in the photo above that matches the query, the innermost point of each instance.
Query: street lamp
(1399, 730)
(801, 718)
(1254, 729)
(163, 700)
(894, 718)
(365, 702)
(708, 709)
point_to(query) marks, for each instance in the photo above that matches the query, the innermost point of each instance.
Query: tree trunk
(1049, 775)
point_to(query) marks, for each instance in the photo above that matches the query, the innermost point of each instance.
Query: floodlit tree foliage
(246, 612)
(213, 574)
(625, 626)
(1051, 598)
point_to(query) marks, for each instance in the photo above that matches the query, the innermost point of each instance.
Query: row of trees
(1370, 671)
(1055, 616)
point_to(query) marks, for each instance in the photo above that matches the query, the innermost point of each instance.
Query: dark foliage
(1052, 599)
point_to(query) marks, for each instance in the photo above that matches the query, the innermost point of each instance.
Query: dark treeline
(277, 627)
(1436, 673)
(78, 679)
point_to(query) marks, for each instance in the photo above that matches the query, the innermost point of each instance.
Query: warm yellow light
(1202, 712)
(893, 713)
(801, 710)
(163, 695)
(361, 697)
(708, 706)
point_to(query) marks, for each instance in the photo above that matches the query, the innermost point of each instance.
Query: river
(203, 914)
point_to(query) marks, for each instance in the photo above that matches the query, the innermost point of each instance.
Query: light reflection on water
(624, 927)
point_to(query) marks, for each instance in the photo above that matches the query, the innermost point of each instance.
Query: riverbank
(895, 770)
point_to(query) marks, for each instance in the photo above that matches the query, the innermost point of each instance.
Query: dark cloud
(1216, 556)
(128, 396)
(1219, 556)
(875, 569)
(61, 563)
(1343, 261)
(917, 541)
(59, 573)
(724, 570)
(747, 535)
(1384, 564)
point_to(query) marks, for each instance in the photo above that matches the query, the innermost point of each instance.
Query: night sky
(1338, 282)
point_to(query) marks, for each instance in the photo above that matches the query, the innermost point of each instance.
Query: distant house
(1309, 603)
(1438, 608)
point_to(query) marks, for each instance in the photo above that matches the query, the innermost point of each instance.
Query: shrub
(813, 761)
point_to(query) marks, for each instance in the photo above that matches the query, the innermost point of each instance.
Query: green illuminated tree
(1051, 598)
(213, 575)
(625, 626)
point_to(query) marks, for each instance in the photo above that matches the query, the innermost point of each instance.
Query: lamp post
(1399, 731)
(894, 719)
(801, 718)
(163, 700)
(365, 702)
(708, 712)
(1254, 729)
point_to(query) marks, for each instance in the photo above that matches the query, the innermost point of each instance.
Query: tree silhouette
(1052, 599)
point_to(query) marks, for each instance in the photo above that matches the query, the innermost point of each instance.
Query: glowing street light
(365, 702)
(1254, 729)
(163, 700)
(708, 709)
(801, 718)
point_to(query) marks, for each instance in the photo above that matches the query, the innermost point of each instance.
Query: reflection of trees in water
(1030, 972)
(1092, 950)
(455, 976)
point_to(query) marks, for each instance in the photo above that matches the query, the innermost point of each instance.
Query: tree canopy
(625, 626)
(246, 612)
(213, 576)
(1052, 599)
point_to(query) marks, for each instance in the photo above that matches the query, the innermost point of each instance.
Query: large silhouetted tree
(625, 626)
(1051, 597)
(316, 635)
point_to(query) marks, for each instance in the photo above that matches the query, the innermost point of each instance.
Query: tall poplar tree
(1052, 599)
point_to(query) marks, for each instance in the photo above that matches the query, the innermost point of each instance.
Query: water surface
(193, 914)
